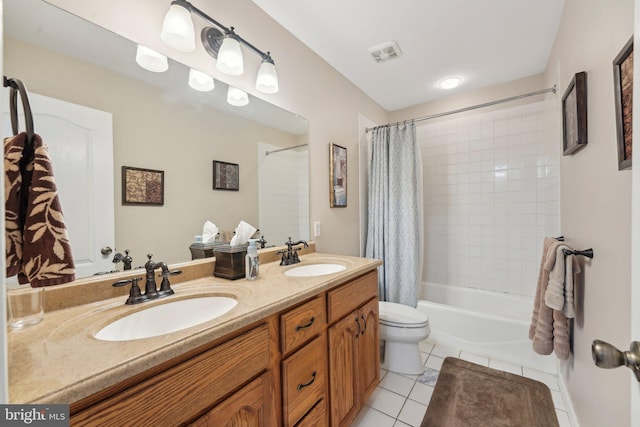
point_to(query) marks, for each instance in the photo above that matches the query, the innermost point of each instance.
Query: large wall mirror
(158, 123)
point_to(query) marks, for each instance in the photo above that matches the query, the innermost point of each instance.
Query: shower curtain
(395, 212)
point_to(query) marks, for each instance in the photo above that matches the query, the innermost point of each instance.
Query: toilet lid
(392, 313)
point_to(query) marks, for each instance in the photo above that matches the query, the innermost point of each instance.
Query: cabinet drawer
(317, 417)
(304, 379)
(347, 298)
(182, 392)
(297, 326)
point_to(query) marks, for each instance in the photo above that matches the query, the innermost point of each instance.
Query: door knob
(106, 250)
(608, 356)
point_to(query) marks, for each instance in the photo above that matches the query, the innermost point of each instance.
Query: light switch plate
(316, 229)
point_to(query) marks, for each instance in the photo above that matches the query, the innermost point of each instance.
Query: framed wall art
(574, 115)
(337, 176)
(142, 186)
(226, 176)
(623, 83)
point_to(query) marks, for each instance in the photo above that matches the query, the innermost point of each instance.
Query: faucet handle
(165, 286)
(283, 261)
(135, 296)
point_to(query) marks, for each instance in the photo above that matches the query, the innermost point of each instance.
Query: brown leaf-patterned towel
(37, 247)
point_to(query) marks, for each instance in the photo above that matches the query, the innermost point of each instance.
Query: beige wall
(152, 131)
(308, 86)
(596, 207)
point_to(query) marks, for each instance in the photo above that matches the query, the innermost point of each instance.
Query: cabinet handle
(365, 324)
(313, 378)
(306, 325)
(359, 327)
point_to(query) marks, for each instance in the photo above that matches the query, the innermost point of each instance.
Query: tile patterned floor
(401, 400)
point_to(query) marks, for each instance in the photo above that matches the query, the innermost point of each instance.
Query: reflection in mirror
(158, 123)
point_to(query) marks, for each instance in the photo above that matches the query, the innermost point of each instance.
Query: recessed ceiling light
(449, 82)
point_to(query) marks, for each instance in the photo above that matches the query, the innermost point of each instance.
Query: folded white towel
(554, 294)
(559, 293)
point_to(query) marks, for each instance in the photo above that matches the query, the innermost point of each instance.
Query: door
(343, 363)
(369, 350)
(80, 145)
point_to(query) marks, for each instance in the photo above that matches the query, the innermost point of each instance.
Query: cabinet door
(369, 350)
(248, 407)
(343, 364)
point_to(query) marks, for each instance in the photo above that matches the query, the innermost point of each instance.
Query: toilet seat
(401, 316)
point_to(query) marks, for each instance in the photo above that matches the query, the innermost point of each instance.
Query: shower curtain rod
(266, 153)
(473, 107)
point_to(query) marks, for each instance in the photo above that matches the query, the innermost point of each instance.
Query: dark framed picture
(623, 82)
(142, 186)
(337, 176)
(574, 115)
(226, 176)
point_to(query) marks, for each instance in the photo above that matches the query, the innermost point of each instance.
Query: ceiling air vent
(385, 51)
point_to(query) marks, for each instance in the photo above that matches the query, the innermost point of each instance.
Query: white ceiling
(485, 42)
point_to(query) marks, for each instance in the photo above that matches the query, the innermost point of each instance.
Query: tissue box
(201, 250)
(230, 261)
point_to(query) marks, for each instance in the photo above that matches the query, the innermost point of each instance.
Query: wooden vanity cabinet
(353, 340)
(312, 365)
(177, 394)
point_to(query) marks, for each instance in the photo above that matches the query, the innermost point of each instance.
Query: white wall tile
(491, 195)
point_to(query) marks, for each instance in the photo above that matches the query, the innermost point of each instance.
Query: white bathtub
(487, 323)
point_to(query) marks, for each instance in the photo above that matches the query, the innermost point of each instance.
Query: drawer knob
(313, 378)
(306, 325)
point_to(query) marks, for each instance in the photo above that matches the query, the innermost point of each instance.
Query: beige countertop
(60, 361)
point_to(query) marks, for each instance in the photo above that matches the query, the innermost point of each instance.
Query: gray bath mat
(429, 377)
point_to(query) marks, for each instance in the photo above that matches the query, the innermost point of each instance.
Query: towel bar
(586, 252)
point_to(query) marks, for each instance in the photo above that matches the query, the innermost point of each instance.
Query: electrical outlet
(316, 229)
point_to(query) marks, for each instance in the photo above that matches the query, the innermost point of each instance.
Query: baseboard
(564, 391)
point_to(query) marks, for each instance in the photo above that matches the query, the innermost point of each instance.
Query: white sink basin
(165, 318)
(314, 270)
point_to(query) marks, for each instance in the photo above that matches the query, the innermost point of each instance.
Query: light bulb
(151, 60)
(267, 80)
(450, 82)
(200, 81)
(230, 57)
(177, 29)
(237, 97)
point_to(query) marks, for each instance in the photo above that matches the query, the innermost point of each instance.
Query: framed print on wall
(337, 176)
(574, 115)
(226, 176)
(142, 186)
(623, 82)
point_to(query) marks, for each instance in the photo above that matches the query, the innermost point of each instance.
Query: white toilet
(402, 328)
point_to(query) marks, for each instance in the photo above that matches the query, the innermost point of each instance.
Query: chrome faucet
(290, 256)
(150, 290)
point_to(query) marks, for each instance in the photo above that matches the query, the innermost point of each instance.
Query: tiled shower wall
(283, 194)
(491, 194)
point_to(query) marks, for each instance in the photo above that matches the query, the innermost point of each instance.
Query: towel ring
(17, 86)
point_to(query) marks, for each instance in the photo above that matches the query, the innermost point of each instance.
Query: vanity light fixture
(200, 81)
(450, 82)
(237, 97)
(151, 60)
(221, 42)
